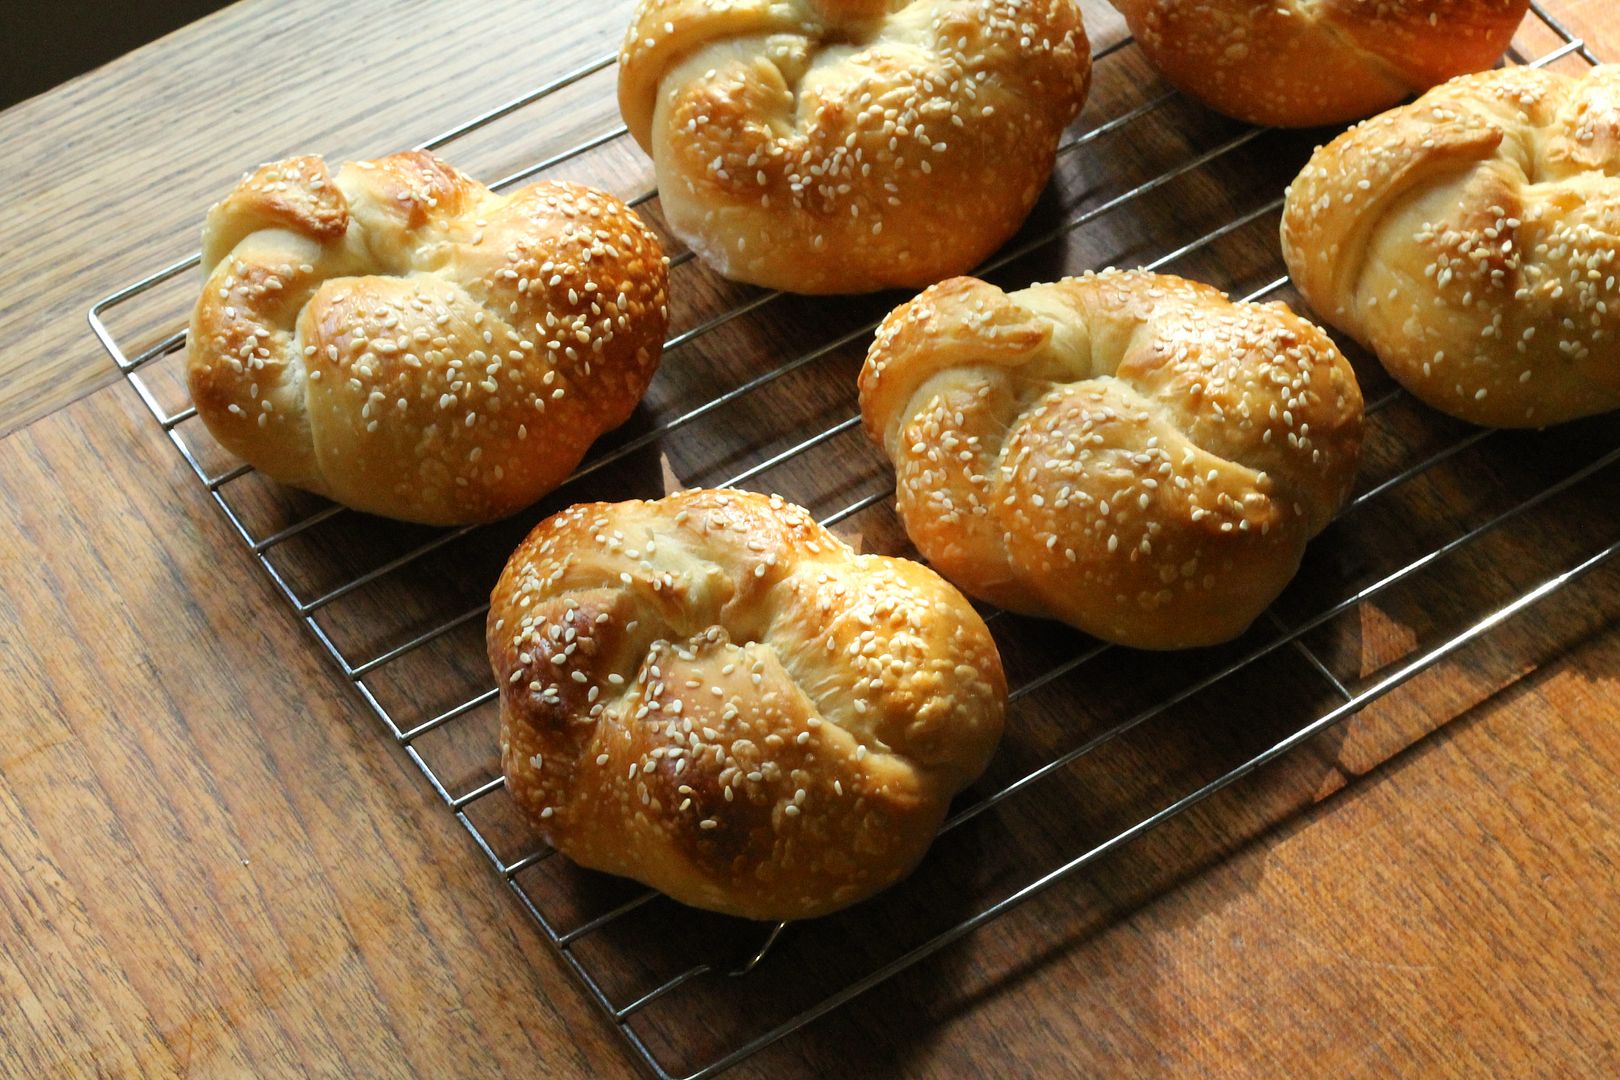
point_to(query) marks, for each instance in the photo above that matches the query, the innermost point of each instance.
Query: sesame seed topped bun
(839, 146)
(405, 341)
(1471, 240)
(714, 695)
(1302, 63)
(1132, 453)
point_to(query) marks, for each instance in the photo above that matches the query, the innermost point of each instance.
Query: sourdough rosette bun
(1301, 63)
(1132, 453)
(837, 146)
(403, 340)
(714, 695)
(1471, 240)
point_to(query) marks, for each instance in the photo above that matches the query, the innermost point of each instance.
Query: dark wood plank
(248, 879)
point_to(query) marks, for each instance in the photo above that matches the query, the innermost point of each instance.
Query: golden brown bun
(1129, 452)
(403, 340)
(1300, 63)
(837, 146)
(1470, 241)
(714, 695)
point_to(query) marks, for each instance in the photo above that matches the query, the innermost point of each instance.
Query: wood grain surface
(212, 862)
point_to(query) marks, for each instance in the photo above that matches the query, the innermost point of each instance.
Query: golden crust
(1131, 453)
(1470, 241)
(712, 694)
(1302, 63)
(407, 342)
(827, 146)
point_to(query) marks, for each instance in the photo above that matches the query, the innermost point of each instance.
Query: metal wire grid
(621, 1014)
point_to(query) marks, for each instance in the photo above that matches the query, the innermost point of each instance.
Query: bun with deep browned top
(1131, 453)
(1300, 63)
(1471, 240)
(838, 146)
(403, 340)
(714, 695)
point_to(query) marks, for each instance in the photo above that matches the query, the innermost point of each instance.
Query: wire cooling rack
(636, 953)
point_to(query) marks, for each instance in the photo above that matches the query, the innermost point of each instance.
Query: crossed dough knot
(828, 146)
(403, 340)
(1471, 240)
(1303, 63)
(1131, 453)
(714, 695)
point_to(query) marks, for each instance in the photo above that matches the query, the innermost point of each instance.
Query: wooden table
(210, 861)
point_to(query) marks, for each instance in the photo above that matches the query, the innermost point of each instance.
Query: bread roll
(1470, 241)
(839, 146)
(1128, 452)
(403, 340)
(1300, 63)
(712, 694)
